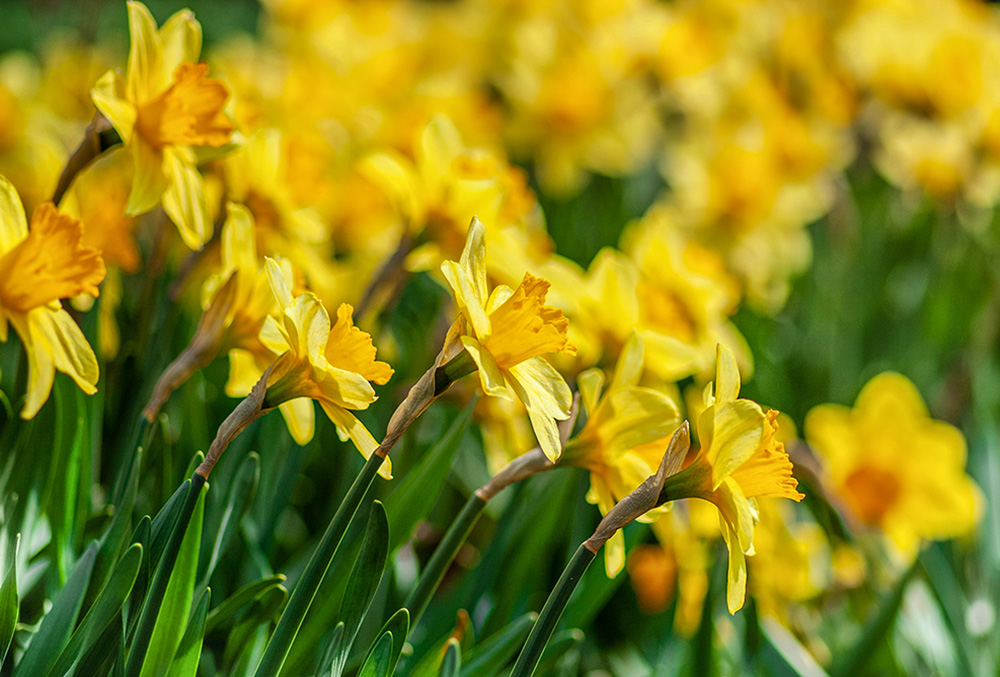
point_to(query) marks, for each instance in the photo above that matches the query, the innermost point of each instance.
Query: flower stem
(443, 556)
(527, 661)
(305, 590)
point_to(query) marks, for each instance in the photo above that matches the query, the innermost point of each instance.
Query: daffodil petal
(239, 246)
(273, 336)
(300, 417)
(180, 36)
(440, 144)
(727, 374)
(473, 259)
(357, 433)
(71, 354)
(13, 226)
(184, 200)
(347, 388)
(737, 512)
(392, 174)
(469, 302)
(546, 384)
(280, 282)
(41, 370)
(490, 375)
(628, 369)
(614, 555)
(542, 423)
(145, 55)
(736, 580)
(737, 430)
(149, 181)
(590, 383)
(109, 98)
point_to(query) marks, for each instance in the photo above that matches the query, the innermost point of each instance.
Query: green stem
(305, 590)
(443, 556)
(554, 605)
(158, 587)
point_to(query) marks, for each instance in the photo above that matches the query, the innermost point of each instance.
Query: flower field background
(510, 248)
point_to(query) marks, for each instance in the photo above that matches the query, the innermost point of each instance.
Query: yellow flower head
(740, 460)
(37, 268)
(506, 332)
(895, 467)
(331, 364)
(622, 442)
(162, 107)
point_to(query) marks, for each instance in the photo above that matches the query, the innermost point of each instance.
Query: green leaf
(452, 662)
(413, 499)
(58, 624)
(377, 662)
(363, 582)
(141, 535)
(245, 641)
(176, 604)
(561, 643)
(193, 464)
(163, 523)
(189, 651)
(70, 453)
(239, 500)
(491, 655)
(225, 613)
(106, 607)
(330, 652)
(398, 626)
(8, 604)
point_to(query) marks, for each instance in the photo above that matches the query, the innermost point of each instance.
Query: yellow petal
(614, 554)
(590, 383)
(473, 259)
(490, 375)
(628, 369)
(181, 40)
(145, 55)
(13, 225)
(727, 375)
(184, 200)
(243, 372)
(347, 423)
(239, 245)
(148, 178)
(308, 325)
(273, 336)
(394, 176)
(54, 341)
(469, 303)
(281, 282)
(542, 422)
(41, 370)
(736, 581)
(300, 417)
(440, 144)
(346, 388)
(108, 96)
(351, 349)
(737, 513)
(546, 385)
(737, 429)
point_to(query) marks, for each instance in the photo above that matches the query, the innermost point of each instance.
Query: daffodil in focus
(896, 468)
(38, 267)
(163, 108)
(622, 443)
(332, 364)
(740, 460)
(506, 332)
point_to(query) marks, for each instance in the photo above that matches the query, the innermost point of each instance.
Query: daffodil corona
(740, 460)
(38, 267)
(506, 332)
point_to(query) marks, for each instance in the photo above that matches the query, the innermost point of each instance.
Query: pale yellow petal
(469, 304)
(490, 375)
(41, 370)
(628, 369)
(148, 178)
(727, 375)
(108, 96)
(308, 325)
(474, 259)
(498, 296)
(546, 384)
(614, 555)
(145, 55)
(737, 430)
(300, 417)
(346, 388)
(736, 580)
(280, 282)
(243, 372)
(394, 176)
(13, 226)
(542, 423)
(440, 144)
(273, 336)
(71, 354)
(590, 383)
(184, 200)
(347, 423)
(239, 245)
(181, 39)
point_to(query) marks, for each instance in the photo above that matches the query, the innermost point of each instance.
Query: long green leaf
(226, 611)
(330, 651)
(363, 582)
(238, 501)
(413, 499)
(58, 624)
(106, 607)
(561, 644)
(398, 625)
(176, 604)
(377, 662)
(491, 655)
(8, 605)
(452, 662)
(245, 642)
(140, 535)
(189, 651)
(164, 522)
(71, 455)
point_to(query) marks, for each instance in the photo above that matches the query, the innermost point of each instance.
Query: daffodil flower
(505, 332)
(330, 364)
(37, 268)
(163, 108)
(622, 442)
(739, 461)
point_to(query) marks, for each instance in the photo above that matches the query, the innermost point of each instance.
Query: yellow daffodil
(740, 460)
(896, 468)
(37, 268)
(506, 332)
(622, 442)
(330, 364)
(163, 108)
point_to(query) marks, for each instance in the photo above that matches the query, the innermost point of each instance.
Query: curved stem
(527, 661)
(443, 556)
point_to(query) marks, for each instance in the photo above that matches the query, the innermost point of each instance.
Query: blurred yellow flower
(896, 468)
(330, 364)
(622, 443)
(37, 268)
(506, 332)
(162, 108)
(740, 460)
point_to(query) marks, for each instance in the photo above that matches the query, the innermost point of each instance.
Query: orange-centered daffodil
(37, 268)
(506, 332)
